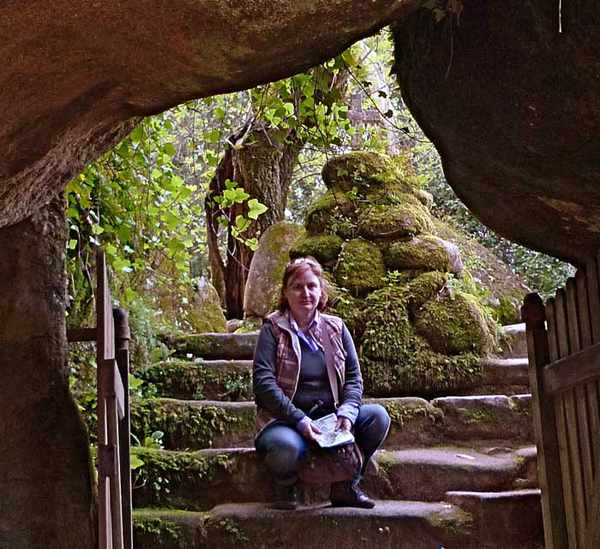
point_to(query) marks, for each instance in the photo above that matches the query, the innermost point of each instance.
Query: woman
(305, 367)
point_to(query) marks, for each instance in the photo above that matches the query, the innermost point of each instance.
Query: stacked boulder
(393, 280)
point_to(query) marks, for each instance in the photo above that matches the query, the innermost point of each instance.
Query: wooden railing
(111, 335)
(563, 341)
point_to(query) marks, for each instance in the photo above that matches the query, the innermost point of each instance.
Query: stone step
(496, 513)
(213, 346)
(514, 341)
(232, 379)
(201, 379)
(475, 420)
(200, 480)
(390, 525)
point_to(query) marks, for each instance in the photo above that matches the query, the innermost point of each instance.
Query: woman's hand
(343, 424)
(308, 429)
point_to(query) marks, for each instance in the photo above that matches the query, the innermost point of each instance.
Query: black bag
(325, 465)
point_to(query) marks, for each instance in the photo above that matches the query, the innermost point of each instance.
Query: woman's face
(303, 293)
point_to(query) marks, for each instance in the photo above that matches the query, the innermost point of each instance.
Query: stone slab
(474, 420)
(203, 479)
(390, 525)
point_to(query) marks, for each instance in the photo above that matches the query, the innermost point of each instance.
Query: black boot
(284, 497)
(348, 494)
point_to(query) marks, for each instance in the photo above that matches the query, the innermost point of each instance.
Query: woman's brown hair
(293, 269)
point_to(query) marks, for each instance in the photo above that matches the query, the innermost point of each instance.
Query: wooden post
(549, 471)
(122, 337)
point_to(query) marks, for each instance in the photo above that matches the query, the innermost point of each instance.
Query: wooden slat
(572, 370)
(544, 420)
(568, 398)
(81, 334)
(591, 387)
(593, 287)
(583, 428)
(561, 431)
(116, 504)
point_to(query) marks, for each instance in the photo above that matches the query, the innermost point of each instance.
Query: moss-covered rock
(387, 222)
(206, 315)
(359, 170)
(425, 252)
(360, 267)
(351, 310)
(332, 213)
(425, 287)
(267, 267)
(454, 323)
(397, 361)
(324, 248)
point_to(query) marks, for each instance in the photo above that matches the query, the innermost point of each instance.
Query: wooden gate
(111, 335)
(563, 342)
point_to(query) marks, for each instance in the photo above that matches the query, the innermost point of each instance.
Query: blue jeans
(283, 447)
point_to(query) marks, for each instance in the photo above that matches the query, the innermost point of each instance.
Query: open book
(329, 437)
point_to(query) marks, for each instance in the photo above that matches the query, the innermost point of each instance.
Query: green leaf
(169, 149)
(72, 244)
(255, 208)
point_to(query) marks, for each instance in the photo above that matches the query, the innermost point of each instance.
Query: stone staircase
(457, 472)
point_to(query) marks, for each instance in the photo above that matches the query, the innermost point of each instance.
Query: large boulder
(62, 106)
(508, 92)
(266, 269)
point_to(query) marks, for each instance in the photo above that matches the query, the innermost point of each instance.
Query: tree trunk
(263, 166)
(45, 474)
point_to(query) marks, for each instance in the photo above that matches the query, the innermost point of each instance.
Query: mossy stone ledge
(194, 424)
(212, 380)
(360, 267)
(213, 346)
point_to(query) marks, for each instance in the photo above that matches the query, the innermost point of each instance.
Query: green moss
(380, 221)
(402, 414)
(478, 415)
(457, 524)
(182, 379)
(187, 426)
(231, 529)
(332, 213)
(424, 287)
(424, 252)
(162, 471)
(454, 324)
(397, 361)
(324, 248)
(351, 310)
(156, 531)
(356, 169)
(360, 267)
